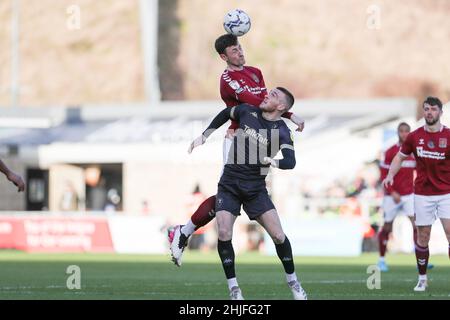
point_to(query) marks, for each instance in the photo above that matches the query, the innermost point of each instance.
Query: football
(237, 22)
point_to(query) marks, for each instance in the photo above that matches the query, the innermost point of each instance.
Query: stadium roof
(174, 121)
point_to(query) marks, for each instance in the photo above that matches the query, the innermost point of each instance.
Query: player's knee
(224, 233)
(278, 237)
(423, 237)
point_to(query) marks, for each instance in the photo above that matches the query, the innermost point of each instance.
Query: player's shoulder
(394, 148)
(246, 107)
(254, 70)
(445, 130)
(226, 76)
(417, 132)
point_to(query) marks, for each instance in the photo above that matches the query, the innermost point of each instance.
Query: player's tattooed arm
(13, 177)
(219, 120)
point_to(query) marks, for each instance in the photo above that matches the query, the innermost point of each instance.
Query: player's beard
(432, 121)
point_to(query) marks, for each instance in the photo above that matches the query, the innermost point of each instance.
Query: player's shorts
(392, 209)
(429, 208)
(252, 194)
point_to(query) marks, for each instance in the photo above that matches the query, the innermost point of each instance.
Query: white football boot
(236, 294)
(421, 286)
(297, 290)
(178, 241)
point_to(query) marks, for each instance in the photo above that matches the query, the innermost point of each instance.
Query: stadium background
(98, 117)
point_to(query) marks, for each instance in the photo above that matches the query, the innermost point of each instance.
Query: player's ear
(223, 57)
(282, 107)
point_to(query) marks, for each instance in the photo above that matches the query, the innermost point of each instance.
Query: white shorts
(392, 209)
(429, 208)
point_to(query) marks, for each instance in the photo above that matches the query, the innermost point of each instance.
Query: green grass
(110, 276)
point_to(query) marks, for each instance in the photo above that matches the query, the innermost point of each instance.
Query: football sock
(188, 228)
(205, 212)
(232, 283)
(382, 242)
(415, 235)
(284, 252)
(226, 253)
(291, 277)
(422, 255)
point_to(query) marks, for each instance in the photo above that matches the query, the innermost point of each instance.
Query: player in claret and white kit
(398, 198)
(238, 84)
(430, 145)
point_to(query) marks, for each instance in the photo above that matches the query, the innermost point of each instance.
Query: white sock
(188, 228)
(423, 277)
(291, 277)
(232, 283)
(381, 259)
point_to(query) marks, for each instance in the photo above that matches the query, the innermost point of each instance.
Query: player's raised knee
(278, 237)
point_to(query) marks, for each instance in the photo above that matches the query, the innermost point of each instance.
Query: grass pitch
(112, 276)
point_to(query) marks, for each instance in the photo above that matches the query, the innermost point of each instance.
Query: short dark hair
(225, 41)
(433, 101)
(401, 124)
(289, 97)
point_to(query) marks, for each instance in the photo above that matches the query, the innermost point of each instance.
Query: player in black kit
(261, 135)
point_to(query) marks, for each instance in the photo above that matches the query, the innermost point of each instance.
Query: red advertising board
(55, 234)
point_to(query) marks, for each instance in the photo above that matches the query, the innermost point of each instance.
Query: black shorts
(252, 194)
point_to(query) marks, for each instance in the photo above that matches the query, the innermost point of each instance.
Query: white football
(237, 22)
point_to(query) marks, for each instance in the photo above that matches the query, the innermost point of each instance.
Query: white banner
(138, 234)
(321, 236)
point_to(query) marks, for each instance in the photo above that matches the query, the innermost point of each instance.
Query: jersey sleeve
(287, 150)
(238, 111)
(234, 90)
(407, 146)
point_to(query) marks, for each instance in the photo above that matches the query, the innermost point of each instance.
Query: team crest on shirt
(255, 78)
(430, 144)
(421, 141)
(442, 142)
(219, 202)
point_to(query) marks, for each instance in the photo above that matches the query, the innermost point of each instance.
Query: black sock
(226, 253)
(284, 252)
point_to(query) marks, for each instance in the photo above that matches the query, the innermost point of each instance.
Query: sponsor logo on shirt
(430, 154)
(421, 141)
(255, 135)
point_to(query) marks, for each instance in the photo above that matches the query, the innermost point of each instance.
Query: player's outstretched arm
(215, 124)
(396, 164)
(299, 121)
(13, 177)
